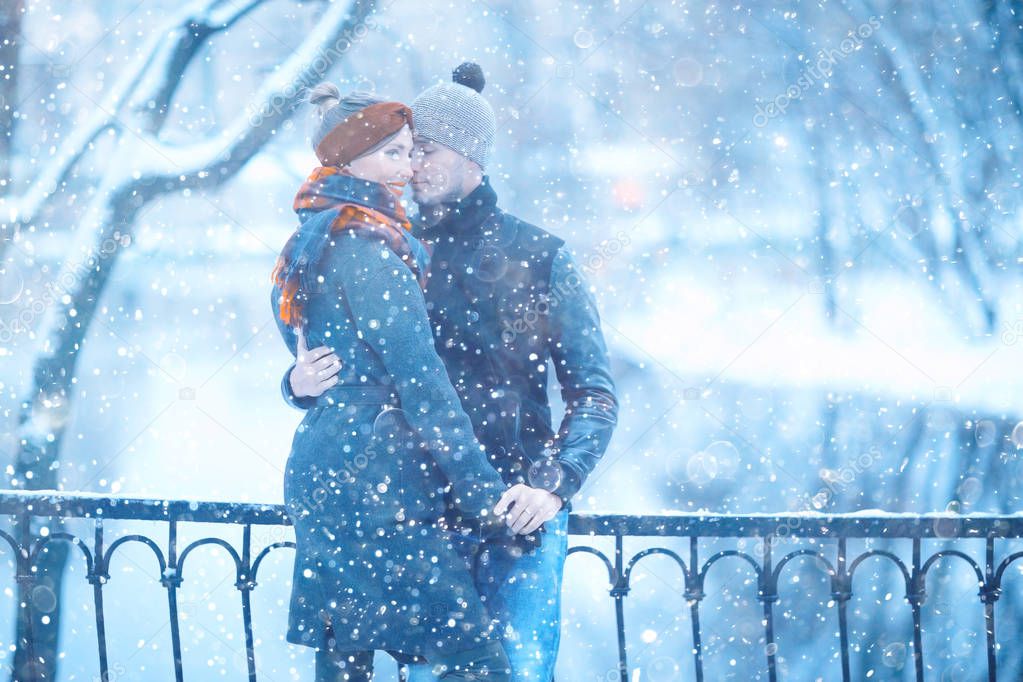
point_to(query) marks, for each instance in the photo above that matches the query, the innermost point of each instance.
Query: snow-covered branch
(153, 79)
(210, 162)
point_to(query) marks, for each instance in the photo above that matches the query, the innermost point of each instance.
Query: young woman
(370, 464)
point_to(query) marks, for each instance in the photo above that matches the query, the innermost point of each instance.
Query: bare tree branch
(148, 87)
(942, 148)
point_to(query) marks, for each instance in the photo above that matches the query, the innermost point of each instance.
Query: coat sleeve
(581, 363)
(298, 402)
(288, 334)
(389, 313)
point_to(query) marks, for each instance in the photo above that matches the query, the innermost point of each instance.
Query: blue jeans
(524, 594)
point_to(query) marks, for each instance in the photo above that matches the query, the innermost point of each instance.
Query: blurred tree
(140, 167)
(10, 28)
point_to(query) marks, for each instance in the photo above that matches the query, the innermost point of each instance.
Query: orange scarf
(350, 216)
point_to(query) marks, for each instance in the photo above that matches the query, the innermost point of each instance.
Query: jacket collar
(467, 215)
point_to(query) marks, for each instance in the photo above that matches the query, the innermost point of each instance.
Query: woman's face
(390, 165)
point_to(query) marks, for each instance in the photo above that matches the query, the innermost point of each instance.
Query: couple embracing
(427, 485)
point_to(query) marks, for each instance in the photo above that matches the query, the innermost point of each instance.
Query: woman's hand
(530, 507)
(315, 370)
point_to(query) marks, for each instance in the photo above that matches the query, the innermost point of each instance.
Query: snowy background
(799, 219)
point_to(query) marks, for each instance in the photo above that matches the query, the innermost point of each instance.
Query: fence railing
(829, 532)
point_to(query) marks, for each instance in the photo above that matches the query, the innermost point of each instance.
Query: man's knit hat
(457, 116)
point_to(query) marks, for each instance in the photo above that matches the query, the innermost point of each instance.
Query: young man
(503, 297)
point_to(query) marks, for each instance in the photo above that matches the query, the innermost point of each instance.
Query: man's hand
(315, 370)
(532, 507)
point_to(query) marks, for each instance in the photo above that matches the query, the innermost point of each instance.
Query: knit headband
(360, 132)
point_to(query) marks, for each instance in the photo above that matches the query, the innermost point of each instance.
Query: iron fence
(828, 536)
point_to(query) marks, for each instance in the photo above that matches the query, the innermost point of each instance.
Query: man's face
(438, 173)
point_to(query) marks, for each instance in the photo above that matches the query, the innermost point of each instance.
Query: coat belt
(361, 394)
